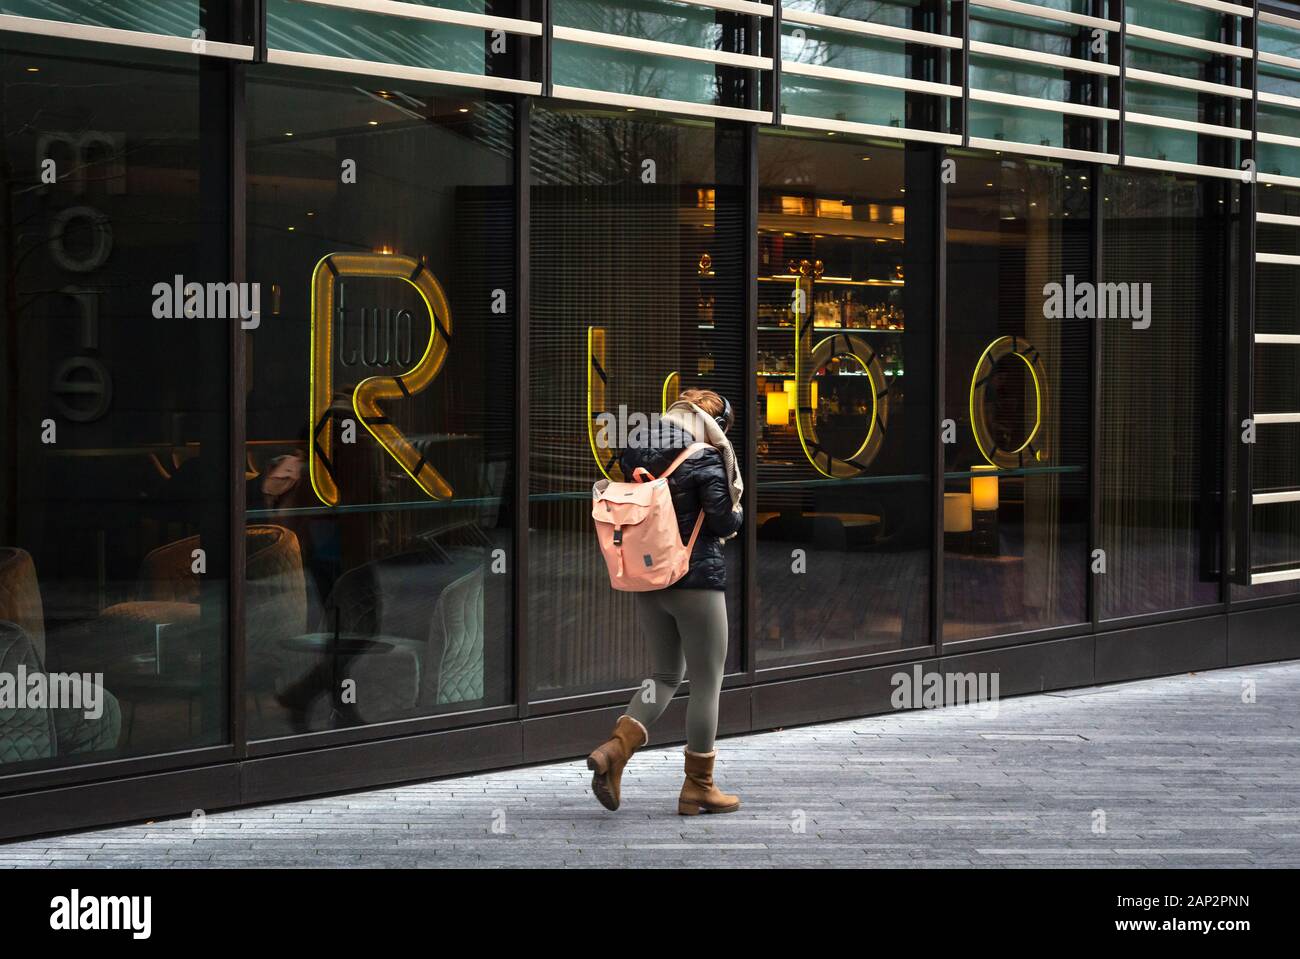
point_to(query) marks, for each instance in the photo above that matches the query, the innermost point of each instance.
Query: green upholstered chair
(34, 733)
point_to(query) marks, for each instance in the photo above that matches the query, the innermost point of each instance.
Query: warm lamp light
(778, 408)
(789, 386)
(984, 489)
(956, 512)
(814, 394)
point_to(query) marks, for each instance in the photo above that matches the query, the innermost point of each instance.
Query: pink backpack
(637, 529)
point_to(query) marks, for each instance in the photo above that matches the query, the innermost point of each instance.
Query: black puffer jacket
(699, 483)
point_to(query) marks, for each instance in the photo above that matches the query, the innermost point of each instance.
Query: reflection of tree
(643, 75)
(845, 50)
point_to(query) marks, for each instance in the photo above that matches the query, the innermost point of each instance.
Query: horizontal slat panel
(1278, 99)
(1286, 496)
(1173, 166)
(1275, 419)
(870, 79)
(869, 129)
(1279, 138)
(1277, 59)
(371, 68)
(1038, 150)
(1187, 83)
(415, 11)
(1278, 339)
(1277, 576)
(1278, 219)
(1037, 103)
(658, 48)
(1236, 9)
(1168, 123)
(1278, 179)
(1194, 43)
(1048, 13)
(1277, 20)
(737, 6)
(847, 25)
(122, 38)
(1283, 259)
(1042, 59)
(654, 103)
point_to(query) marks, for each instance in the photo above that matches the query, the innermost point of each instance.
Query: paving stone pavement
(1181, 771)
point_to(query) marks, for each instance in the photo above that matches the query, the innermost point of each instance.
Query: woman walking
(685, 624)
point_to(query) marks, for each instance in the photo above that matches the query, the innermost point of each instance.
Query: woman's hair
(706, 400)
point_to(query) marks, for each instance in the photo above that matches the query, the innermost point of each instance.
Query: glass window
(390, 36)
(381, 404)
(1051, 83)
(811, 87)
(113, 484)
(845, 335)
(1016, 489)
(594, 66)
(1161, 392)
(179, 18)
(638, 274)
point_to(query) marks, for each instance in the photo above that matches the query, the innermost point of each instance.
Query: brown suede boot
(608, 760)
(699, 794)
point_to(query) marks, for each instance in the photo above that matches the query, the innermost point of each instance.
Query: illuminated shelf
(832, 281)
(841, 373)
(830, 329)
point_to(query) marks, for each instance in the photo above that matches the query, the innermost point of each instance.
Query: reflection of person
(685, 624)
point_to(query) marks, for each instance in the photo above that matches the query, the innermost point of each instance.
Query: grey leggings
(687, 633)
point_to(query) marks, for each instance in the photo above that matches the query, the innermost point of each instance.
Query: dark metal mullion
(1243, 453)
(238, 658)
(237, 116)
(939, 393)
(773, 31)
(965, 73)
(1119, 150)
(546, 45)
(523, 308)
(254, 27)
(749, 456)
(1098, 249)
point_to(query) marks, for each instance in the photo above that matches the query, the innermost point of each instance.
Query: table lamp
(984, 510)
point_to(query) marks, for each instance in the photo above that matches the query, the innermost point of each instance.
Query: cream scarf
(705, 429)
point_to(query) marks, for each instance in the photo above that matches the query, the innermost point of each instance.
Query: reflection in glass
(379, 421)
(113, 483)
(1015, 488)
(638, 289)
(843, 389)
(1162, 395)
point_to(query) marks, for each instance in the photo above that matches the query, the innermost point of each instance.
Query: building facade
(321, 317)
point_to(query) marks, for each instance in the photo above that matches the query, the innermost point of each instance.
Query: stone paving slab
(1172, 772)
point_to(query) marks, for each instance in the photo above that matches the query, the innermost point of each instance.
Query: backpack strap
(699, 520)
(682, 457)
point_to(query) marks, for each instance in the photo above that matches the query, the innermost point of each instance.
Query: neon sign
(371, 393)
